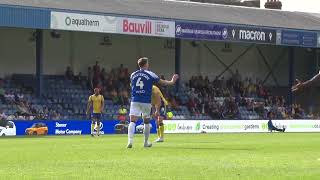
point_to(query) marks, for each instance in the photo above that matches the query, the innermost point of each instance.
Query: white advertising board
(221, 126)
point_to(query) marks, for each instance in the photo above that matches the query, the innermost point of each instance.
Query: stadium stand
(66, 96)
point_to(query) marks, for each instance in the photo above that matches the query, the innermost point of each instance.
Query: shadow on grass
(23, 137)
(204, 142)
(213, 148)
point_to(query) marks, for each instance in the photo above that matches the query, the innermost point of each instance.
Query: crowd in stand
(237, 93)
(25, 109)
(114, 85)
(202, 96)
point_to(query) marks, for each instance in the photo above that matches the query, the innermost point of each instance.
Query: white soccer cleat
(147, 145)
(159, 140)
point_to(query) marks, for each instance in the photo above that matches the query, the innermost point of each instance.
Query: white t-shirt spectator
(20, 96)
(3, 116)
(11, 117)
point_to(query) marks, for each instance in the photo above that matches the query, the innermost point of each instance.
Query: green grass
(204, 156)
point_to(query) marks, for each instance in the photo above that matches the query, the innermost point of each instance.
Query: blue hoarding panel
(209, 31)
(299, 38)
(201, 31)
(254, 35)
(67, 127)
(24, 17)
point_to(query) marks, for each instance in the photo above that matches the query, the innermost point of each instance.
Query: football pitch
(268, 156)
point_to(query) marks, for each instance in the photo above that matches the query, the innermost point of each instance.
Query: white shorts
(140, 109)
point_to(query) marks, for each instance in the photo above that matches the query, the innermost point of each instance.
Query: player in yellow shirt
(96, 101)
(159, 106)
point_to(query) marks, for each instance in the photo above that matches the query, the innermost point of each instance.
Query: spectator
(192, 106)
(2, 94)
(22, 108)
(237, 76)
(3, 115)
(121, 69)
(19, 97)
(9, 97)
(90, 78)
(103, 74)
(123, 97)
(55, 115)
(173, 103)
(122, 113)
(69, 73)
(78, 78)
(96, 69)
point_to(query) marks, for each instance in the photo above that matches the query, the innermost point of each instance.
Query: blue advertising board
(299, 38)
(251, 34)
(67, 127)
(209, 31)
(201, 31)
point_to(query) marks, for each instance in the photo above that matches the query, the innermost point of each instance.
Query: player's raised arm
(300, 85)
(174, 79)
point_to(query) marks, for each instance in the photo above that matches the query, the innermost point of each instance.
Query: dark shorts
(163, 112)
(96, 117)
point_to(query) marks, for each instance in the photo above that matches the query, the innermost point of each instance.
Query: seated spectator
(3, 115)
(121, 68)
(173, 103)
(229, 114)
(192, 106)
(123, 98)
(103, 74)
(3, 122)
(24, 107)
(55, 115)
(11, 117)
(298, 112)
(122, 113)
(18, 116)
(78, 78)
(2, 94)
(69, 73)
(9, 97)
(19, 97)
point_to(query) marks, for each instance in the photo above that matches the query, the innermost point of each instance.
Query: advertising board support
(291, 74)
(178, 60)
(39, 60)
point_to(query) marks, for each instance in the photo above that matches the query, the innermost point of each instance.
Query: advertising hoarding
(233, 126)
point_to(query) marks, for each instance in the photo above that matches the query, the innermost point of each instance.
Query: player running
(159, 104)
(96, 101)
(141, 91)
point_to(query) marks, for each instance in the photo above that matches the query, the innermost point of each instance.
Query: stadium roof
(183, 10)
